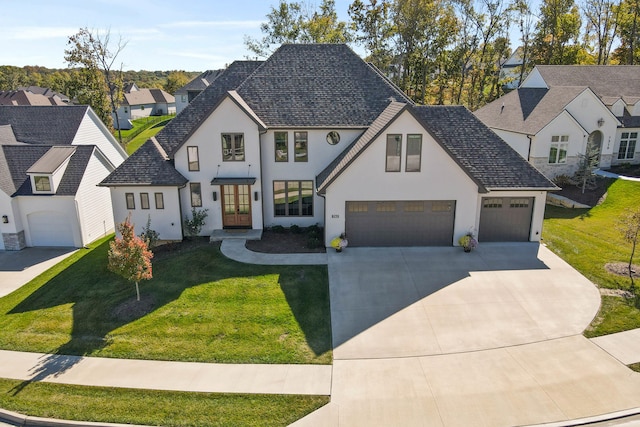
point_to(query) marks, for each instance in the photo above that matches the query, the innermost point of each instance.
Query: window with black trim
(131, 200)
(144, 200)
(281, 146)
(293, 198)
(414, 153)
(196, 194)
(627, 147)
(233, 147)
(301, 146)
(159, 200)
(394, 151)
(192, 158)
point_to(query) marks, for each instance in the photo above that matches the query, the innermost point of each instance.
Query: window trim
(304, 158)
(233, 148)
(561, 145)
(285, 157)
(393, 138)
(419, 140)
(161, 199)
(627, 143)
(144, 201)
(130, 197)
(37, 178)
(193, 165)
(300, 188)
(192, 192)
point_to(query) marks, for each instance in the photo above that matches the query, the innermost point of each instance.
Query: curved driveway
(438, 337)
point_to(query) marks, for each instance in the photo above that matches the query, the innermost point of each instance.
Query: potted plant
(339, 242)
(468, 242)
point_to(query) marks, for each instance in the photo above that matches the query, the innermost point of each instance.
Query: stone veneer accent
(14, 241)
(555, 169)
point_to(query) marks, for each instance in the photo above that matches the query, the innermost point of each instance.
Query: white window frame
(561, 144)
(630, 139)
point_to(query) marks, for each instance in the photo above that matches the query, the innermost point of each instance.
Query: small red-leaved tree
(129, 255)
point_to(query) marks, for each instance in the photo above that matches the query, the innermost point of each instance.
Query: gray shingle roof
(201, 82)
(489, 160)
(19, 158)
(317, 85)
(629, 121)
(172, 136)
(146, 166)
(604, 80)
(49, 125)
(527, 110)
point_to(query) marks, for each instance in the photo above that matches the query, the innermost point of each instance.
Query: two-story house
(315, 135)
(560, 109)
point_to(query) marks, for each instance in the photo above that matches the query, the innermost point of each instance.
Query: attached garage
(505, 219)
(400, 223)
(50, 229)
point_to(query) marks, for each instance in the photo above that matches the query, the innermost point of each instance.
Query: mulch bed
(590, 197)
(282, 242)
(622, 269)
(627, 170)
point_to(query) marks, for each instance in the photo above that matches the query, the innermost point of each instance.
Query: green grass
(635, 367)
(200, 306)
(588, 239)
(141, 138)
(141, 124)
(149, 407)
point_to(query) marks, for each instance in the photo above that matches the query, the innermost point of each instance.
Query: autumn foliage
(129, 255)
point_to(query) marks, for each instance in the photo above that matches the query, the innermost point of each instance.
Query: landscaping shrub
(295, 229)
(278, 229)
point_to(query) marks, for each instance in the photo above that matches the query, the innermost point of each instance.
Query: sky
(191, 35)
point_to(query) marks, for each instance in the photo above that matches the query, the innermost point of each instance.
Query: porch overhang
(233, 181)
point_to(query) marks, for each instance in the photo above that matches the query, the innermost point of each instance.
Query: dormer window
(42, 183)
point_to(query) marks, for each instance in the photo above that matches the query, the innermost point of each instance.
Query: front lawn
(149, 407)
(200, 306)
(588, 239)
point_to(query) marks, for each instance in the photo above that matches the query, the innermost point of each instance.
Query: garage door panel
(506, 219)
(400, 223)
(50, 229)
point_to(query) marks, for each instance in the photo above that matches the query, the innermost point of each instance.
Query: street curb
(27, 421)
(591, 420)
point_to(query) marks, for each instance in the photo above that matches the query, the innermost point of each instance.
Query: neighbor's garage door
(50, 229)
(505, 219)
(400, 223)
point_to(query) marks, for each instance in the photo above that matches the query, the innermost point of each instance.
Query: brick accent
(14, 241)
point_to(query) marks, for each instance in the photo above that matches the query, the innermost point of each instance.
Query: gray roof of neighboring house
(527, 110)
(25, 97)
(19, 158)
(482, 154)
(201, 82)
(52, 159)
(148, 96)
(629, 121)
(49, 93)
(146, 166)
(48, 125)
(604, 80)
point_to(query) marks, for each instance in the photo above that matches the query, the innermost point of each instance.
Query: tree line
(450, 51)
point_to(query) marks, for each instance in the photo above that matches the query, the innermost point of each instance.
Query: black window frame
(130, 200)
(285, 157)
(193, 192)
(160, 198)
(304, 146)
(144, 201)
(303, 205)
(410, 137)
(193, 165)
(395, 138)
(232, 155)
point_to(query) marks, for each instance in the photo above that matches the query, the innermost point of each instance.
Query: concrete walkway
(608, 174)
(624, 346)
(236, 250)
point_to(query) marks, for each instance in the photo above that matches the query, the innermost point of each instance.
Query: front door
(236, 200)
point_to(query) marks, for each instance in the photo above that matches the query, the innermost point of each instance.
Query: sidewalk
(624, 346)
(236, 250)
(608, 174)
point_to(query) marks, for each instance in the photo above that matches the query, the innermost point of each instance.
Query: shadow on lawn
(102, 302)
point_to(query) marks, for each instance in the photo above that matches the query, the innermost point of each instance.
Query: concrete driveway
(438, 337)
(19, 267)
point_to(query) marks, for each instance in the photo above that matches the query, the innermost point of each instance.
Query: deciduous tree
(129, 256)
(175, 80)
(630, 229)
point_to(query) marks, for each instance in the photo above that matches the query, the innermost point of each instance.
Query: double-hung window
(301, 145)
(394, 152)
(282, 146)
(233, 147)
(558, 150)
(293, 198)
(414, 153)
(192, 158)
(627, 147)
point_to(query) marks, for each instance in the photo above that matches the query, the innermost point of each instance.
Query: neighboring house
(188, 92)
(559, 109)
(51, 160)
(315, 135)
(139, 103)
(32, 95)
(510, 70)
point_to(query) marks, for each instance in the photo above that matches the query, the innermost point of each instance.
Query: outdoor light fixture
(5, 219)
(600, 122)
(255, 196)
(215, 196)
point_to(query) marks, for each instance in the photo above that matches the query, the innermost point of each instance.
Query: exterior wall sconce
(215, 196)
(255, 196)
(600, 122)
(5, 219)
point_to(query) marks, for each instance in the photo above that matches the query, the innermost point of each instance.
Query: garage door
(50, 229)
(505, 219)
(400, 223)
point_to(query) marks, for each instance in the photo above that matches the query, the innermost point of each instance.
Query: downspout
(261, 174)
(180, 209)
(529, 150)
